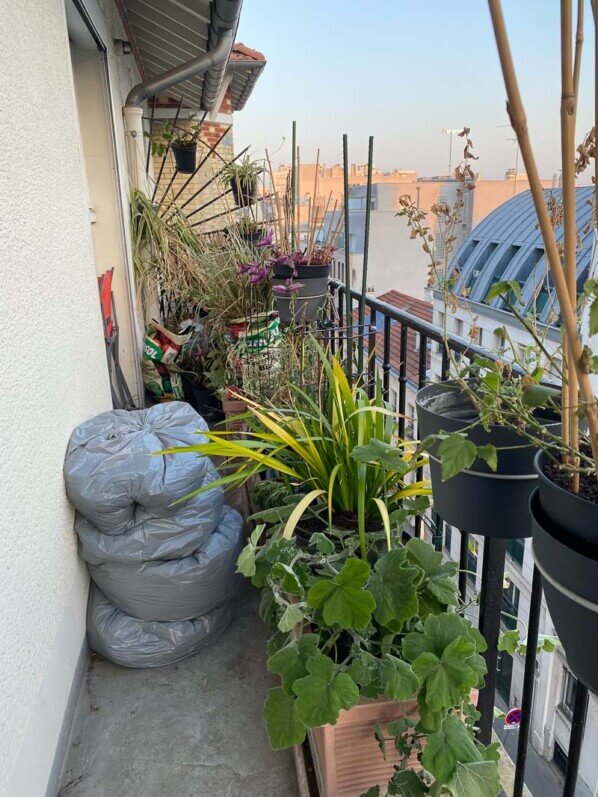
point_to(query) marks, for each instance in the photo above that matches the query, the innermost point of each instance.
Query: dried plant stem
(297, 200)
(329, 234)
(568, 308)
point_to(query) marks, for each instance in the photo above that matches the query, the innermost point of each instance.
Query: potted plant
(182, 141)
(300, 284)
(364, 628)
(243, 179)
(564, 510)
(252, 232)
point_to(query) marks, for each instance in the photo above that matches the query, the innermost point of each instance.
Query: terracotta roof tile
(241, 52)
(417, 307)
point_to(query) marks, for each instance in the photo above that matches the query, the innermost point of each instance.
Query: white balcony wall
(55, 376)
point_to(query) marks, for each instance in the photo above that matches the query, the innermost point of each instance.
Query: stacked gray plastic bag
(163, 575)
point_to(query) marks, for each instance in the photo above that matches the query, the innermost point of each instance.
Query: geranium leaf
(373, 791)
(323, 543)
(594, 317)
(456, 453)
(489, 455)
(246, 559)
(406, 783)
(439, 576)
(289, 579)
(390, 457)
(509, 641)
(321, 695)
(394, 587)
(290, 662)
(292, 616)
(478, 779)
(451, 745)
(284, 727)
(342, 599)
(397, 679)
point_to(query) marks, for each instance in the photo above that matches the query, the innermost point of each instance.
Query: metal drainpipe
(225, 17)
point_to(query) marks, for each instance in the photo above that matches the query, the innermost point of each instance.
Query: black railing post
(372, 340)
(386, 359)
(578, 725)
(529, 679)
(463, 564)
(403, 380)
(493, 568)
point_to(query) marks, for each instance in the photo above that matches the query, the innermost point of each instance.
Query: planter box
(346, 755)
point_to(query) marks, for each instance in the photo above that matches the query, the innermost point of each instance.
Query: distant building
(396, 261)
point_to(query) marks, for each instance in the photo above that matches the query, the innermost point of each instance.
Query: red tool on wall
(121, 395)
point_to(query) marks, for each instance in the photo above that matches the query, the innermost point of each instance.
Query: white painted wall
(55, 376)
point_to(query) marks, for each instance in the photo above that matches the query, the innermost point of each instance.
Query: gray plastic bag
(177, 589)
(131, 642)
(156, 535)
(109, 469)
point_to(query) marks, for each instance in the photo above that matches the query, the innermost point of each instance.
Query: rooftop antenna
(516, 142)
(450, 132)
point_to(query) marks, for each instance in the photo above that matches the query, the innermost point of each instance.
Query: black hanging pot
(305, 304)
(565, 549)
(478, 500)
(185, 158)
(252, 238)
(243, 191)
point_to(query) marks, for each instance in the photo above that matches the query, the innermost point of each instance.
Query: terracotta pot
(346, 756)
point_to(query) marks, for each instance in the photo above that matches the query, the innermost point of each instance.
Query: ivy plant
(384, 626)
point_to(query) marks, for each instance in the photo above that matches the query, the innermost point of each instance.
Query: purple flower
(281, 260)
(246, 268)
(258, 274)
(288, 287)
(265, 241)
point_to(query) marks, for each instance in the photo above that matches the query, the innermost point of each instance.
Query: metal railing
(493, 563)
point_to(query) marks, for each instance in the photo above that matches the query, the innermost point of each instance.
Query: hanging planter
(244, 191)
(301, 292)
(565, 547)
(478, 500)
(185, 157)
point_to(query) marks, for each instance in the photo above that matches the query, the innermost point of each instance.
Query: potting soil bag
(153, 534)
(161, 349)
(131, 642)
(109, 468)
(177, 589)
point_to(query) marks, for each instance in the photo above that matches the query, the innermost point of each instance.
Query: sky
(401, 70)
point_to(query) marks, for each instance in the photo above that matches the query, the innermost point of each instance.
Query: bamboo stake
(578, 50)
(570, 431)
(277, 201)
(518, 119)
(293, 184)
(298, 227)
(330, 232)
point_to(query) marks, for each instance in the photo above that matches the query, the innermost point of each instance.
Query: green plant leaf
(394, 587)
(373, 791)
(290, 662)
(534, 395)
(397, 679)
(452, 745)
(503, 288)
(246, 559)
(388, 456)
(478, 779)
(456, 453)
(342, 599)
(489, 455)
(292, 616)
(445, 659)
(364, 669)
(323, 544)
(594, 316)
(289, 579)
(509, 641)
(439, 576)
(280, 713)
(321, 695)
(406, 783)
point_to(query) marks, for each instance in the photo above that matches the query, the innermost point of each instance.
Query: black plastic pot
(569, 569)
(477, 500)
(185, 158)
(304, 305)
(252, 238)
(202, 400)
(243, 191)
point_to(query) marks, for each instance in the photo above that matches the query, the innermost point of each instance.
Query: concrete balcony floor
(192, 728)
